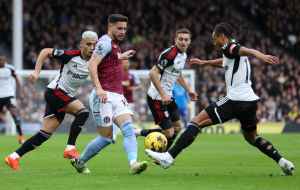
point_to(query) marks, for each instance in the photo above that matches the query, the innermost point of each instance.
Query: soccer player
(59, 97)
(239, 102)
(163, 77)
(7, 95)
(107, 101)
(182, 99)
(131, 82)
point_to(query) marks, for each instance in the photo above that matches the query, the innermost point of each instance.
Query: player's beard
(116, 38)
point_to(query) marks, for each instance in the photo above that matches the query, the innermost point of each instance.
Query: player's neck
(125, 71)
(111, 36)
(85, 57)
(227, 40)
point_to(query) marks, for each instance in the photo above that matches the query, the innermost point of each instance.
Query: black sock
(185, 139)
(267, 148)
(18, 125)
(80, 117)
(33, 142)
(171, 141)
(146, 132)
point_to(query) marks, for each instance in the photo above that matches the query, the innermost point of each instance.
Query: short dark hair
(1, 55)
(114, 18)
(183, 31)
(224, 28)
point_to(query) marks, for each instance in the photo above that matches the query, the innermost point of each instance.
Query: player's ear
(109, 26)
(81, 44)
(175, 40)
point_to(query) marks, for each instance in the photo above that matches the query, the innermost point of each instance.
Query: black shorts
(164, 115)
(225, 109)
(57, 100)
(8, 102)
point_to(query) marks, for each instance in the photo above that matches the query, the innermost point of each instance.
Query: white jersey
(7, 75)
(170, 62)
(73, 72)
(237, 73)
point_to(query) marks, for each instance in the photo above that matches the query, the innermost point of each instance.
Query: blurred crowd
(151, 29)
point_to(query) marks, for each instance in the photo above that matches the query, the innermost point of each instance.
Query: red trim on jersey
(159, 113)
(231, 48)
(61, 95)
(251, 125)
(63, 108)
(73, 52)
(158, 123)
(173, 53)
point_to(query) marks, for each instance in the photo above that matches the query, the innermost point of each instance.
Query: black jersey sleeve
(231, 49)
(65, 55)
(167, 58)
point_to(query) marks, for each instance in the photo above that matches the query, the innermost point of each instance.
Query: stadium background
(271, 27)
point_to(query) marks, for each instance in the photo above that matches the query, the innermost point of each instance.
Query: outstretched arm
(47, 52)
(266, 59)
(214, 63)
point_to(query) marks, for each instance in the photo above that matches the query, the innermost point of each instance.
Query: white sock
(282, 162)
(15, 155)
(132, 162)
(137, 132)
(114, 137)
(70, 147)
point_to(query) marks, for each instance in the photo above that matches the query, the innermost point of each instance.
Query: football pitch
(211, 162)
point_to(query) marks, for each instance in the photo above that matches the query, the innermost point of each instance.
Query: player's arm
(181, 81)
(102, 48)
(19, 88)
(214, 63)
(47, 52)
(266, 59)
(137, 83)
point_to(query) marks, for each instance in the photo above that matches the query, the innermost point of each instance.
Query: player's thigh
(11, 105)
(50, 124)
(203, 119)
(13, 111)
(160, 113)
(74, 107)
(249, 119)
(121, 110)
(174, 115)
(102, 112)
(250, 136)
(119, 120)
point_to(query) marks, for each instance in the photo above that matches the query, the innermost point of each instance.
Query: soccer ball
(156, 142)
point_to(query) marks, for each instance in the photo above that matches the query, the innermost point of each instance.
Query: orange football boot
(13, 163)
(69, 154)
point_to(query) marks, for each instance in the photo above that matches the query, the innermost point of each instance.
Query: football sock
(129, 140)
(80, 117)
(267, 148)
(34, 142)
(94, 147)
(70, 147)
(14, 155)
(146, 132)
(185, 139)
(171, 141)
(115, 131)
(18, 125)
(185, 123)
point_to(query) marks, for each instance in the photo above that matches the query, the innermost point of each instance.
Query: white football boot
(138, 167)
(286, 166)
(164, 159)
(79, 167)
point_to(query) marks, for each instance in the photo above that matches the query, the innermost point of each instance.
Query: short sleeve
(102, 48)
(231, 49)
(163, 62)
(136, 78)
(13, 71)
(65, 55)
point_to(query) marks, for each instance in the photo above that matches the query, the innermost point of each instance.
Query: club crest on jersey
(225, 68)
(166, 113)
(58, 52)
(106, 119)
(164, 62)
(119, 55)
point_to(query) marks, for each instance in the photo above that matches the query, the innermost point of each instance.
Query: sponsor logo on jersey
(106, 119)
(164, 62)
(58, 52)
(75, 66)
(126, 83)
(77, 76)
(175, 71)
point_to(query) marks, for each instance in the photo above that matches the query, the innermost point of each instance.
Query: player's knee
(82, 115)
(177, 129)
(169, 134)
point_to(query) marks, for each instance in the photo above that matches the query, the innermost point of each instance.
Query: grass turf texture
(211, 162)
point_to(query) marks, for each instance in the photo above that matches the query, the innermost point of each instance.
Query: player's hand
(101, 95)
(197, 62)
(22, 97)
(269, 60)
(192, 95)
(33, 77)
(128, 54)
(165, 99)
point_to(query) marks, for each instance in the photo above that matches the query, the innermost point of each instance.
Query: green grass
(212, 162)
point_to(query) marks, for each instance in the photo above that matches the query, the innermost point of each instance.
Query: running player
(163, 76)
(131, 82)
(60, 98)
(7, 95)
(182, 99)
(240, 101)
(107, 101)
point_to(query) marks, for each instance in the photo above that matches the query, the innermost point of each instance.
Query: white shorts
(105, 113)
(132, 107)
